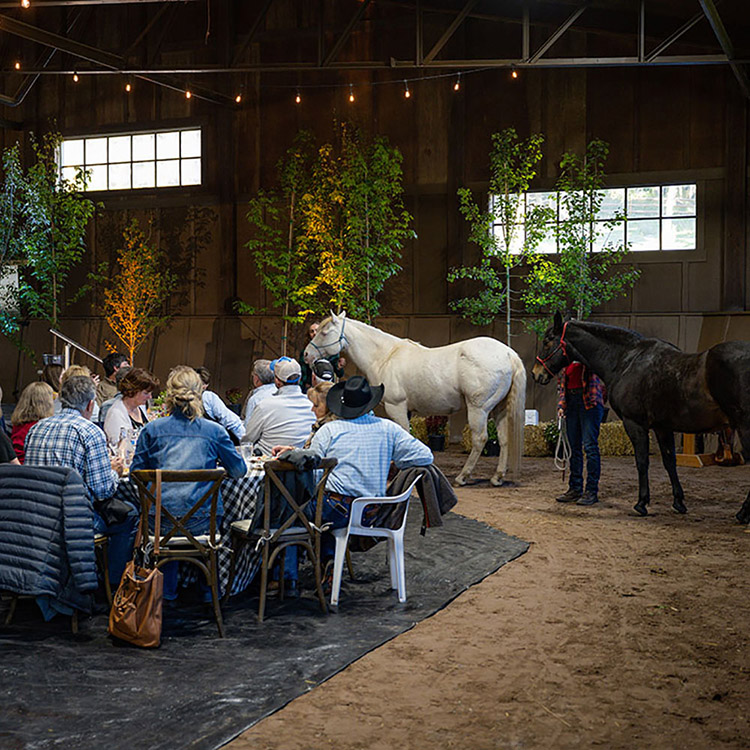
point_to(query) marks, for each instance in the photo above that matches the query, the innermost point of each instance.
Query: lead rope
(562, 448)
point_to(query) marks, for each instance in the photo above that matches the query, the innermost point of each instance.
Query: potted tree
(492, 446)
(437, 427)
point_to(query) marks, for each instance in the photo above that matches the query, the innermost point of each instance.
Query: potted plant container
(436, 429)
(492, 446)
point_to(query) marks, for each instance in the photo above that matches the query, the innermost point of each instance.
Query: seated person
(322, 372)
(129, 413)
(51, 375)
(184, 441)
(263, 386)
(35, 403)
(107, 387)
(365, 446)
(71, 439)
(72, 371)
(337, 361)
(317, 395)
(107, 405)
(216, 410)
(285, 417)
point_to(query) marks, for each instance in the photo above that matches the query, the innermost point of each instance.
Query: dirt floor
(612, 630)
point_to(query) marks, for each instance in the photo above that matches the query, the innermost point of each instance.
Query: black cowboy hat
(354, 397)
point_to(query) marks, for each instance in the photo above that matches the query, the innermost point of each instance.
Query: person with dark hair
(107, 387)
(71, 439)
(217, 411)
(129, 413)
(51, 375)
(337, 361)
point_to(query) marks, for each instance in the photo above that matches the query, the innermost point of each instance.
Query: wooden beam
(331, 56)
(709, 8)
(253, 29)
(457, 21)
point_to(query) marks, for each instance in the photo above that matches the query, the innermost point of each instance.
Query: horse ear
(343, 314)
(557, 323)
(334, 317)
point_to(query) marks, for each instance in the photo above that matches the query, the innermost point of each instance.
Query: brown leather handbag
(136, 610)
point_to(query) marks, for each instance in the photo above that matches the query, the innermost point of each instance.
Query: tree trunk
(289, 245)
(507, 305)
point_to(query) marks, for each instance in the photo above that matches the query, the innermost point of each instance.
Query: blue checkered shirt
(69, 439)
(365, 447)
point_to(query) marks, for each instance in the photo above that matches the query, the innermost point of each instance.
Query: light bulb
(17, 66)
(457, 84)
(514, 73)
(238, 98)
(25, 3)
(75, 77)
(188, 94)
(298, 98)
(128, 87)
(351, 93)
(407, 93)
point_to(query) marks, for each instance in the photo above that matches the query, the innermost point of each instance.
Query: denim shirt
(177, 443)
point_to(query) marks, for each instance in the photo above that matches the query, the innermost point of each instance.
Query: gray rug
(198, 691)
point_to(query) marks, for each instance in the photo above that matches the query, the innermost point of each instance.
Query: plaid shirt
(365, 447)
(594, 390)
(69, 439)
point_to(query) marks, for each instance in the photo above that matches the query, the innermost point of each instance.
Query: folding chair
(179, 543)
(395, 539)
(284, 524)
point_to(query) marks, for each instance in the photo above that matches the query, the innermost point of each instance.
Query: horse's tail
(515, 410)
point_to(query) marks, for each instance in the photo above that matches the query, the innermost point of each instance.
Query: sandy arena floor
(612, 630)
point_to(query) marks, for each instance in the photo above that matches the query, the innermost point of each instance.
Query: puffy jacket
(46, 534)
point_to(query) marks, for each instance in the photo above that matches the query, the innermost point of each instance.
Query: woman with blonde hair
(317, 395)
(182, 441)
(35, 403)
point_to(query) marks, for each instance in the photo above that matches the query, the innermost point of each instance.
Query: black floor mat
(59, 690)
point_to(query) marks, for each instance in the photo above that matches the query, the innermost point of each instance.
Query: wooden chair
(101, 550)
(179, 544)
(294, 528)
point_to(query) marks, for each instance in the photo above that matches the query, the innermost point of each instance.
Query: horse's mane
(379, 330)
(619, 335)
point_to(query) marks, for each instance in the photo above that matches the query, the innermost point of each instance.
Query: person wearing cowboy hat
(285, 416)
(365, 446)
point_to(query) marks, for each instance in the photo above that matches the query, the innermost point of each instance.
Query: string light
(457, 84)
(351, 93)
(17, 66)
(25, 3)
(513, 73)
(128, 87)
(238, 98)
(188, 94)
(407, 93)
(75, 76)
(298, 98)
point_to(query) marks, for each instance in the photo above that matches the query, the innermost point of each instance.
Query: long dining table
(242, 499)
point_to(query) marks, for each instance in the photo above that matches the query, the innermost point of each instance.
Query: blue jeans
(334, 512)
(582, 426)
(121, 539)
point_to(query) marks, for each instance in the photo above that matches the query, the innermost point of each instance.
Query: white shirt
(117, 418)
(258, 394)
(284, 418)
(219, 412)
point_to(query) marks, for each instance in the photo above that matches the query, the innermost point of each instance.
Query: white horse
(482, 372)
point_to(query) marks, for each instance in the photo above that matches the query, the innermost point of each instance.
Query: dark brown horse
(654, 385)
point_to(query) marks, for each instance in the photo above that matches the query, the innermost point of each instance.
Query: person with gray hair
(71, 439)
(263, 386)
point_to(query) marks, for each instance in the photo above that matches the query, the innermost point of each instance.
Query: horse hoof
(743, 518)
(679, 506)
(640, 509)
(496, 481)
(459, 482)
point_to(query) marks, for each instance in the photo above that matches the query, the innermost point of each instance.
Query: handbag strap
(157, 513)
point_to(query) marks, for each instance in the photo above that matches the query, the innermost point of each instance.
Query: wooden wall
(680, 123)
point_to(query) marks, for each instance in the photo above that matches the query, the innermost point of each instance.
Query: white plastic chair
(395, 539)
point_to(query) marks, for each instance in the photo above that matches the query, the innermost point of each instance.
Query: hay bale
(614, 441)
(418, 428)
(535, 441)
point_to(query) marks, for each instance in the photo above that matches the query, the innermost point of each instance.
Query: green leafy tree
(355, 223)
(275, 218)
(43, 230)
(520, 229)
(585, 272)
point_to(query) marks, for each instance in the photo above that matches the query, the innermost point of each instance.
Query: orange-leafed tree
(139, 288)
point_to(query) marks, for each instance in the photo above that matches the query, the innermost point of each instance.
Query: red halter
(561, 345)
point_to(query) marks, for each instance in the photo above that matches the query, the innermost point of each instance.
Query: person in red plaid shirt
(581, 397)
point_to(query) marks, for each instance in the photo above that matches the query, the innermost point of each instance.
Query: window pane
(191, 143)
(97, 177)
(575, 200)
(643, 202)
(144, 174)
(96, 151)
(608, 237)
(549, 243)
(72, 153)
(678, 200)
(167, 173)
(119, 177)
(678, 234)
(144, 147)
(546, 200)
(643, 235)
(119, 148)
(613, 202)
(191, 171)
(69, 173)
(167, 145)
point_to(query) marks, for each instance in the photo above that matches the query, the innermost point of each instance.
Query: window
(170, 158)
(659, 217)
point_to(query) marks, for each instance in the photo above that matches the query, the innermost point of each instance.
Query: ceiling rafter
(331, 56)
(450, 31)
(251, 34)
(564, 26)
(714, 19)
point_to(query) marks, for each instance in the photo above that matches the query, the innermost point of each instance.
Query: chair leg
(105, 572)
(214, 583)
(319, 582)
(338, 566)
(74, 622)
(349, 564)
(398, 554)
(392, 562)
(263, 584)
(11, 609)
(237, 544)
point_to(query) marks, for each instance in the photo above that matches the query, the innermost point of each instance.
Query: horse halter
(560, 345)
(338, 341)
